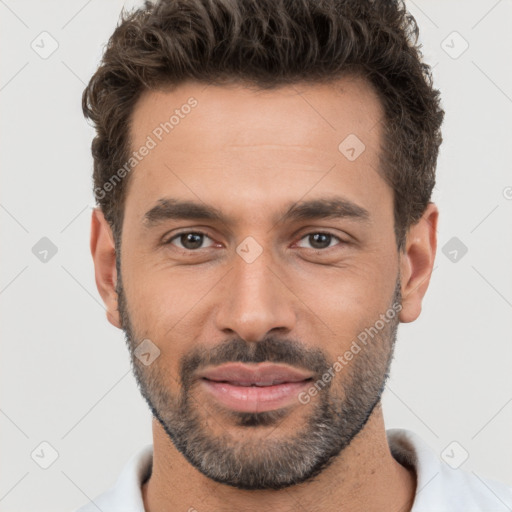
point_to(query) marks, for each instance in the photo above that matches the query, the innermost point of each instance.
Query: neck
(365, 476)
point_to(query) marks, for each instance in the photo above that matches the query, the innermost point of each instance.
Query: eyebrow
(323, 208)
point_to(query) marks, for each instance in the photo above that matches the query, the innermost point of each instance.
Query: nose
(254, 299)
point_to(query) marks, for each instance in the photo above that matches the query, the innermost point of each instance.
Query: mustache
(270, 349)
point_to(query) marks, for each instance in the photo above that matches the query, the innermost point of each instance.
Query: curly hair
(267, 44)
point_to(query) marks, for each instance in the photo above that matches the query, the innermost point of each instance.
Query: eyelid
(169, 240)
(323, 232)
(304, 235)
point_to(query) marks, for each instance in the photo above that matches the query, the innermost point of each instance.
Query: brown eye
(320, 240)
(190, 240)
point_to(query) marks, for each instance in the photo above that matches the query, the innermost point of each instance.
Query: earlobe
(104, 257)
(416, 263)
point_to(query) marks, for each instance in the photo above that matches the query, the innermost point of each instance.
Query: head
(263, 172)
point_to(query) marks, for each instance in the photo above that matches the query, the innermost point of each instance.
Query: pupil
(188, 241)
(318, 240)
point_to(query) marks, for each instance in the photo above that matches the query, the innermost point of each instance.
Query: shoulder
(441, 487)
(126, 494)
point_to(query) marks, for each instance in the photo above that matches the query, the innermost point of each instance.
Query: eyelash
(178, 235)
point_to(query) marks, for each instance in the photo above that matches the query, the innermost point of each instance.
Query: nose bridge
(255, 301)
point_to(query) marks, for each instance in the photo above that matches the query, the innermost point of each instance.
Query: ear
(416, 263)
(104, 256)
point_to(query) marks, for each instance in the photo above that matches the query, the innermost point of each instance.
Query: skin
(252, 153)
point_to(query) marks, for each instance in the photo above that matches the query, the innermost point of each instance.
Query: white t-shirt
(439, 487)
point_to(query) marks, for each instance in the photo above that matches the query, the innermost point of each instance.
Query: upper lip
(261, 374)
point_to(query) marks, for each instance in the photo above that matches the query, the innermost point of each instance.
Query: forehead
(340, 106)
(257, 146)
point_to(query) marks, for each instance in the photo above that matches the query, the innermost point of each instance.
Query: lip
(260, 374)
(255, 387)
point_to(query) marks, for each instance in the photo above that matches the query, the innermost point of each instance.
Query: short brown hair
(271, 43)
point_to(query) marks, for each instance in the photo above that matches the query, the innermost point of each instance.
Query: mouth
(254, 387)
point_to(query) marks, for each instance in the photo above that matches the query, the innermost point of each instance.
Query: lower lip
(254, 398)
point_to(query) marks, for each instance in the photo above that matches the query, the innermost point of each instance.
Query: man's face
(251, 309)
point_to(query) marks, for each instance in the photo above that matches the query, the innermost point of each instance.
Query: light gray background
(64, 370)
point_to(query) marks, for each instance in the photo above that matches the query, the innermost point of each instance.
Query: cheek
(163, 302)
(350, 299)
